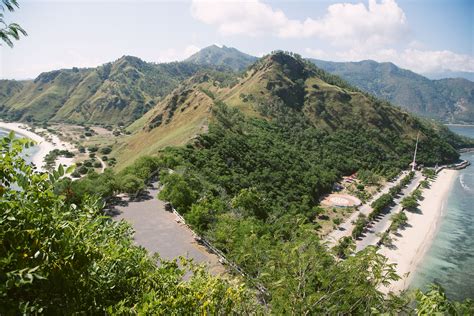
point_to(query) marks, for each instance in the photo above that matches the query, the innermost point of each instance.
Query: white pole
(414, 156)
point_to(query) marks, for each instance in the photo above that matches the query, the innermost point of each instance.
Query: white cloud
(417, 60)
(435, 61)
(344, 24)
(250, 17)
(315, 53)
(175, 54)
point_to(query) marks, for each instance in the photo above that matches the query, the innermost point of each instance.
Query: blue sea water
(450, 260)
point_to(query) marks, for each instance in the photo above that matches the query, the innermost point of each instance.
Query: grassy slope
(189, 118)
(114, 93)
(8, 88)
(271, 81)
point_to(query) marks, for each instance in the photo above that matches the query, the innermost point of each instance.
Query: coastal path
(102, 169)
(160, 231)
(383, 222)
(345, 229)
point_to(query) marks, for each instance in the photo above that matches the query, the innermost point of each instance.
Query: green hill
(450, 100)
(280, 87)
(222, 56)
(114, 93)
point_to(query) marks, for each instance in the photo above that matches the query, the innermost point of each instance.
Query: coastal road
(383, 222)
(158, 231)
(345, 229)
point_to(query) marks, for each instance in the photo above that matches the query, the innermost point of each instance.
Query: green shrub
(105, 150)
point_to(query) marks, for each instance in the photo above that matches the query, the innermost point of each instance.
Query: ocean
(450, 260)
(27, 153)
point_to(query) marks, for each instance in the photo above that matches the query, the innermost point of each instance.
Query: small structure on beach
(341, 200)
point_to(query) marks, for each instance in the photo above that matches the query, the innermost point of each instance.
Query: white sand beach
(44, 145)
(416, 238)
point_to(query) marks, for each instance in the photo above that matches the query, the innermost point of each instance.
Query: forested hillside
(450, 100)
(281, 87)
(115, 93)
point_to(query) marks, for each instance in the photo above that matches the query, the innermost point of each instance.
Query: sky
(426, 36)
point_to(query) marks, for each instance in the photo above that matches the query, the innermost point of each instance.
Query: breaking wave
(463, 184)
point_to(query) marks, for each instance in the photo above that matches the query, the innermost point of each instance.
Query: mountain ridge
(439, 99)
(128, 87)
(276, 86)
(115, 93)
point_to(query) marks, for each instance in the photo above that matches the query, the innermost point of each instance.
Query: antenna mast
(413, 165)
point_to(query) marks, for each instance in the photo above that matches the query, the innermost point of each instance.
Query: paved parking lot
(158, 231)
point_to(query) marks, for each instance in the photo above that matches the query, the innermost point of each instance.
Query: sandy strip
(44, 145)
(416, 239)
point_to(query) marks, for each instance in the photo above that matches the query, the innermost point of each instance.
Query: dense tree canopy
(61, 258)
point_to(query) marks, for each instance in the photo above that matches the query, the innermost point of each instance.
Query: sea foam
(463, 184)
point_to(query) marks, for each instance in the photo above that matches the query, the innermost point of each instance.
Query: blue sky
(424, 36)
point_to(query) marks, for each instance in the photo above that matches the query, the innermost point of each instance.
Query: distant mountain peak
(222, 56)
(130, 60)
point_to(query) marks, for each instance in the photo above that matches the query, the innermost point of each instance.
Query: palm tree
(12, 31)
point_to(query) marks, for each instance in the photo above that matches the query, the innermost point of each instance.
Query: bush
(337, 221)
(380, 204)
(88, 163)
(105, 150)
(177, 191)
(359, 226)
(76, 174)
(82, 170)
(398, 220)
(410, 203)
(345, 247)
(97, 164)
(66, 153)
(131, 184)
(92, 149)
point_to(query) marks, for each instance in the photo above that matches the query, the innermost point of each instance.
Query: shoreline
(410, 247)
(460, 125)
(44, 146)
